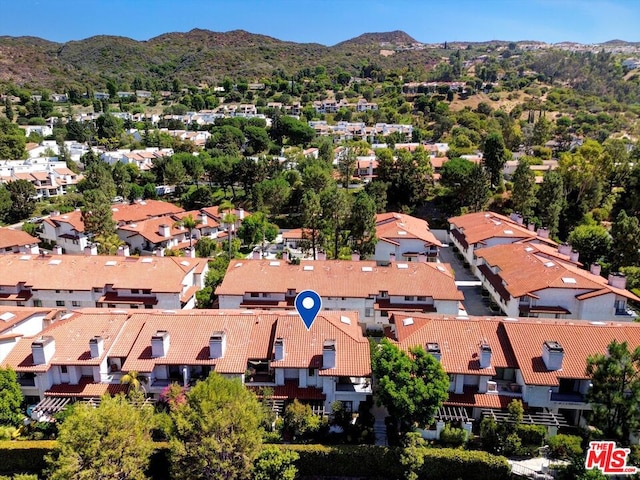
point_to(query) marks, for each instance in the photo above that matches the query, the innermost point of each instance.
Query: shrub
(512, 445)
(532, 434)
(453, 437)
(565, 446)
(6, 432)
(24, 456)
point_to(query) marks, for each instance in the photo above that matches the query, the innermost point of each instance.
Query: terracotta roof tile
(72, 218)
(86, 388)
(15, 238)
(389, 225)
(138, 211)
(336, 278)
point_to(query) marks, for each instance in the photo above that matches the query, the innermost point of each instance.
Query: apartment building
(17, 241)
(404, 238)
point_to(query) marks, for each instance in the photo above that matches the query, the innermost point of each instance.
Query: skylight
(508, 232)
(274, 264)
(403, 266)
(308, 268)
(401, 232)
(110, 263)
(441, 268)
(407, 321)
(55, 261)
(184, 263)
(238, 265)
(528, 249)
(147, 260)
(367, 269)
(345, 320)
(25, 257)
(568, 280)
(549, 264)
(6, 316)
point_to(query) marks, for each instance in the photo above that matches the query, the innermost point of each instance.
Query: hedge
(367, 461)
(28, 456)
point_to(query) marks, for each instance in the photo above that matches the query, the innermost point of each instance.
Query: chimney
(96, 346)
(42, 350)
(434, 349)
(595, 268)
(278, 349)
(422, 258)
(256, 255)
(217, 344)
(55, 213)
(159, 252)
(552, 355)
(485, 355)
(392, 257)
(564, 249)
(516, 217)
(543, 232)
(617, 280)
(285, 256)
(329, 354)
(355, 257)
(531, 227)
(240, 214)
(164, 230)
(322, 255)
(574, 255)
(160, 344)
(123, 251)
(91, 249)
(203, 219)
(57, 250)
(190, 252)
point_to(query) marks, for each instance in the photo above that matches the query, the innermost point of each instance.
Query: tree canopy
(10, 398)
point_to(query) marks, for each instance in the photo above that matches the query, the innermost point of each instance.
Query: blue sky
(329, 21)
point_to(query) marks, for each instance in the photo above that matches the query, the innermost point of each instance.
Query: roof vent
(401, 232)
(184, 263)
(55, 261)
(549, 264)
(25, 257)
(239, 264)
(508, 232)
(441, 268)
(147, 260)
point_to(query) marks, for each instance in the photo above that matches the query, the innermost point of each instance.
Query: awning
(453, 414)
(48, 407)
(548, 419)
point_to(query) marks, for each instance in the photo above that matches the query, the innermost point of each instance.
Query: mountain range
(198, 56)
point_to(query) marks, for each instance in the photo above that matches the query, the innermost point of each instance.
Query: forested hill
(202, 56)
(198, 55)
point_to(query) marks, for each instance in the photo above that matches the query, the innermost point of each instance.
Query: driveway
(468, 284)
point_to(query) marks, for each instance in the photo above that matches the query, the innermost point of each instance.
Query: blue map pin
(308, 303)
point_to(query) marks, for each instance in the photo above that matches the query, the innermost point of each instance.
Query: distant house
(101, 96)
(17, 241)
(65, 230)
(404, 238)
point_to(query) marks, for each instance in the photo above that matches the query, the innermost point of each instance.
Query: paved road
(467, 283)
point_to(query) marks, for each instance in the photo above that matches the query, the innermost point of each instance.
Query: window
(75, 303)
(70, 291)
(291, 292)
(422, 299)
(384, 313)
(59, 303)
(146, 291)
(312, 372)
(135, 306)
(20, 304)
(63, 369)
(409, 298)
(37, 303)
(148, 307)
(368, 312)
(384, 293)
(111, 305)
(57, 291)
(254, 294)
(135, 290)
(97, 289)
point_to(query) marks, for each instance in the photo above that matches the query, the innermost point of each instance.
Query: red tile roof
(303, 348)
(142, 210)
(72, 218)
(11, 316)
(471, 398)
(80, 272)
(85, 388)
(15, 238)
(336, 278)
(390, 225)
(522, 270)
(481, 226)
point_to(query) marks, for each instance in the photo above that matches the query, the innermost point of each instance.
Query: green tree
(23, 203)
(615, 392)
(190, 224)
(217, 432)
(625, 245)
(336, 210)
(378, 192)
(97, 215)
(5, 203)
(275, 463)
(347, 165)
(8, 110)
(97, 176)
(272, 194)
(256, 229)
(311, 210)
(477, 187)
(550, 201)
(495, 155)
(524, 185)
(12, 141)
(112, 441)
(362, 224)
(10, 398)
(591, 241)
(299, 420)
(109, 127)
(412, 386)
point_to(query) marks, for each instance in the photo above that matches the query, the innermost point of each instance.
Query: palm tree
(134, 381)
(189, 223)
(229, 219)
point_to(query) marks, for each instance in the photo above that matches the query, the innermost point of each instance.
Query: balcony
(364, 388)
(27, 382)
(568, 398)
(504, 387)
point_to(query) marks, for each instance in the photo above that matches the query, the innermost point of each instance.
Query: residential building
(367, 168)
(73, 281)
(363, 286)
(17, 322)
(474, 231)
(525, 281)
(363, 105)
(143, 159)
(17, 241)
(142, 210)
(86, 354)
(49, 176)
(491, 361)
(404, 238)
(66, 231)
